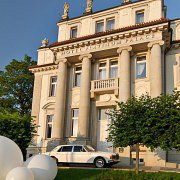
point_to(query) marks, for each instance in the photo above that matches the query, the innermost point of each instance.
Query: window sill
(48, 139)
(141, 80)
(73, 38)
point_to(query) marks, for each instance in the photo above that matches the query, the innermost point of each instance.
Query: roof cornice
(43, 67)
(133, 27)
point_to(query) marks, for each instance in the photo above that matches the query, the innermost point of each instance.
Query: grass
(96, 174)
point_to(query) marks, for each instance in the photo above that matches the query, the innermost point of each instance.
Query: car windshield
(89, 148)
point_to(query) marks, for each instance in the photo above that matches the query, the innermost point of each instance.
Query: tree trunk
(137, 158)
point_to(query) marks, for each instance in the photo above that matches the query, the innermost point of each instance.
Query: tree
(167, 112)
(153, 122)
(16, 89)
(16, 86)
(20, 129)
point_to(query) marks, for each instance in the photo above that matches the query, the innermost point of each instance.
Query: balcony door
(102, 133)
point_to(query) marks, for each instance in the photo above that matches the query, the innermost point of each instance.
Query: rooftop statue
(44, 42)
(126, 1)
(66, 11)
(89, 6)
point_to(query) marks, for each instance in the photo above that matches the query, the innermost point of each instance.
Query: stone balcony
(104, 86)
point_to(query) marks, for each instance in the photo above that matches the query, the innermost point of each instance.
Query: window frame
(101, 68)
(110, 19)
(141, 61)
(77, 72)
(99, 22)
(71, 32)
(51, 85)
(142, 11)
(113, 60)
(99, 114)
(104, 21)
(74, 118)
(49, 123)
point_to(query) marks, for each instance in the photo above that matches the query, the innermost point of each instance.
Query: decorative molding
(175, 44)
(81, 57)
(59, 60)
(48, 105)
(62, 60)
(43, 68)
(151, 44)
(106, 97)
(120, 49)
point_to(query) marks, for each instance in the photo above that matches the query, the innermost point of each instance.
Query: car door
(65, 154)
(80, 155)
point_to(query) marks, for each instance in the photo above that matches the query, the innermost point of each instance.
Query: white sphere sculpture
(20, 173)
(10, 156)
(25, 163)
(43, 167)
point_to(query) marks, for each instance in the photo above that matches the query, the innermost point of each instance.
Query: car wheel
(55, 159)
(99, 162)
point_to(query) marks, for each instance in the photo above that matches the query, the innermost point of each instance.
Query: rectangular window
(49, 126)
(114, 69)
(77, 78)
(102, 71)
(141, 67)
(141, 161)
(102, 114)
(53, 86)
(99, 26)
(73, 32)
(110, 23)
(139, 17)
(75, 114)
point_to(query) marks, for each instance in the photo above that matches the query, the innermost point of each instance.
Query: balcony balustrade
(104, 86)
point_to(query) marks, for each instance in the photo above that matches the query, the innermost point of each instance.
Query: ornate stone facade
(101, 58)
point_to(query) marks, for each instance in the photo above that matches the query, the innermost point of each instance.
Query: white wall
(124, 16)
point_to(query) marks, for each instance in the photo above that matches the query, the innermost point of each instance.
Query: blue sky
(24, 23)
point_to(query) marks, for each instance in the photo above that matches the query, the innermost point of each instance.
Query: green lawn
(96, 174)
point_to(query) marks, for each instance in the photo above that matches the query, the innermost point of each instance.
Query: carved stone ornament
(107, 98)
(89, 6)
(126, 1)
(66, 11)
(44, 42)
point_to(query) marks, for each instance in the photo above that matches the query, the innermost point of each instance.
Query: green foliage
(95, 174)
(16, 86)
(153, 122)
(20, 129)
(16, 89)
(167, 112)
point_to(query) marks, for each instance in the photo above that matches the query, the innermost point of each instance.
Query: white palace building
(100, 58)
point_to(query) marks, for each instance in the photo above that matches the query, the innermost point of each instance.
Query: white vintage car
(83, 154)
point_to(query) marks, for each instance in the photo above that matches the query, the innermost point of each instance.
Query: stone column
(124, 73)
(84, 105)
(60, 100)
(155, 69)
